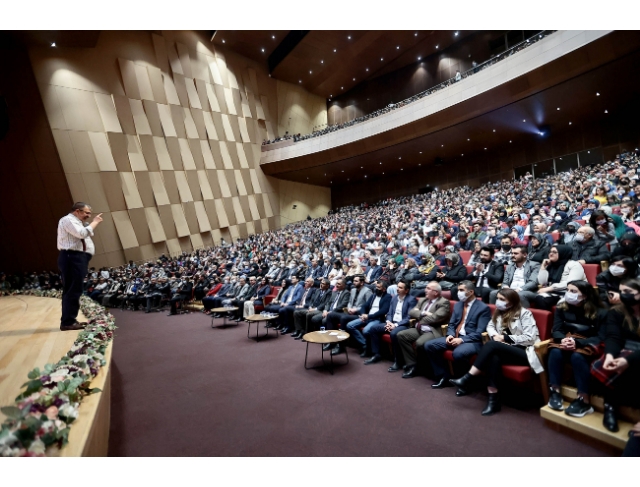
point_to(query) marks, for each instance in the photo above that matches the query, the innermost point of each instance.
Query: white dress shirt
(71, 232)
(375, 306)
(468, 306)
(397, 316)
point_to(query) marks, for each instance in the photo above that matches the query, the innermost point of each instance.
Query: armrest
(444, 329)
(485, 337)
(268, 299)
(541, 349)
(412, 322)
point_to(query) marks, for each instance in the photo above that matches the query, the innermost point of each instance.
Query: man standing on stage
(76, 249)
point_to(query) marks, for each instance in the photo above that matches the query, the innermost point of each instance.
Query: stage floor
(30, 337)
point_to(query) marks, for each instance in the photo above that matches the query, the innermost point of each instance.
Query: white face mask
(601, 222)
(579, 237)
(462, 296)
(573, 298)
(502, 305)
(625, 210)
(617, 270)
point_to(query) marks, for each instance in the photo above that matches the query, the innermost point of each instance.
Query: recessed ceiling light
(397, 47)
(367, 69)
(569, 123)
(485, 148)
(310, 72)
(494, 130)
(347, 179)
(343, 171)
(509, 141)
(436, 46)
(419, 58)
(361, 167)
(558, 108)
(421, 153)
(223, 41)
(380, 163)
(342, 87)
(456, 33)
(381, 59)
(349, 37)
(354, 79)
(400, 157)
(382, 173)
(597, 94)
(402, 169)
(299, 81)
(588, 152)
(442, 145)
(262, 49)
(53, 44)
(468, 140)
(335, 50)
(461, 155)
(524, 120)
(416, 34)
(606, 111)
(419, 164)
(365, 175)
(307, 177)
(273, 37)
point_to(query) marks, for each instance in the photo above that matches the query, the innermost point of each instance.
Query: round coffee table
(225, 312)
(322, 338)
(257, 319)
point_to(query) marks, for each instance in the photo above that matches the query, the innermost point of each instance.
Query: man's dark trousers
(73, 267)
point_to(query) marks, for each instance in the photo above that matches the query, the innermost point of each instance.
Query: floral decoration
(38, 423)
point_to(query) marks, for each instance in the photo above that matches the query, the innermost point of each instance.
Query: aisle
(181, 388)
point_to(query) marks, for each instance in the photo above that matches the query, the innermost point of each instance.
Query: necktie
(335, 303)
(464, 317)
(84, 245)
(304, 298)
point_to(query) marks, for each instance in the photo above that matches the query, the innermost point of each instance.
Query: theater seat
(518, 373)
(270, 297)
(465, 255)
(591, 270)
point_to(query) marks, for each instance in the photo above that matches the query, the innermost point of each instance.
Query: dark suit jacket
(409, 302)
(383, 309)
(475, 324)
(310, 296)
(494, 275)
(342, 302)
(320, 300)
(377, 271)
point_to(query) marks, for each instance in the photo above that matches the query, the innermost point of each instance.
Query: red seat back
(465, 255)
(544, 322)
(470, 269)
(591, 270)
(555, 235)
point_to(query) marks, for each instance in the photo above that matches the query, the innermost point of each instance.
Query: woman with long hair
(578, 330)
(555, 273)
(622, 353)
(608, 282)
(475, 256)
(603, 225)
(513, 333)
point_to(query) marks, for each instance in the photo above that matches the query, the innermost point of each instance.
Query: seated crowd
(395, 272)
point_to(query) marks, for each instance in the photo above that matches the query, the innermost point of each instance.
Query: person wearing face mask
(608, 282)
(578, 330)
(513, 333)
(503, 255)
(452, 274)
(464, 334)
(487, 274)
(629, 246)
(619, 369)
(587, 249)
(604, 227)
(555, 273)
(538, 248)
(569, 233)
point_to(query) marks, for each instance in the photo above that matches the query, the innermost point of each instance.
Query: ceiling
(44, 38)
(329, 63)
(515, 123)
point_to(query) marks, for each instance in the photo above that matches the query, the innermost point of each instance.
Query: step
(589, 425)
(626, 413)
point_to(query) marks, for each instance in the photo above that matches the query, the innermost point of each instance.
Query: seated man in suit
(464, 335)
(302, 316)
(358, 296)
(246, 293)
(339, 299)
(183, 294)
(487, 274)
(305, 300)
(521, 276)
(373, 272)
(431, 311)
(291, 297)
(375, 309)
(397, 320)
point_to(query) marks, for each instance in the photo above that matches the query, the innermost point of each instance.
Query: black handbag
(577, 329)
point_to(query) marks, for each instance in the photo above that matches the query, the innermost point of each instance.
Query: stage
(30, 337)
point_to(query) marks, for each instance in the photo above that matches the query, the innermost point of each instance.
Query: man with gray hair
(587, 248)
(431, 312)
(76, 249)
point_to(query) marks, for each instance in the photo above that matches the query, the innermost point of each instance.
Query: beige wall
(314, 201)
(161, 132)
(299, 112)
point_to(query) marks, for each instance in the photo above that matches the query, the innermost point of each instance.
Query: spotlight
(597, 94)
(544, 131)
(53, 44)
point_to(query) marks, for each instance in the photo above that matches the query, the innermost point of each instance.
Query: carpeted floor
(181, 388)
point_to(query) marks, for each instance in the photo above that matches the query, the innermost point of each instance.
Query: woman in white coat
(513, 333)
(555, 273)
